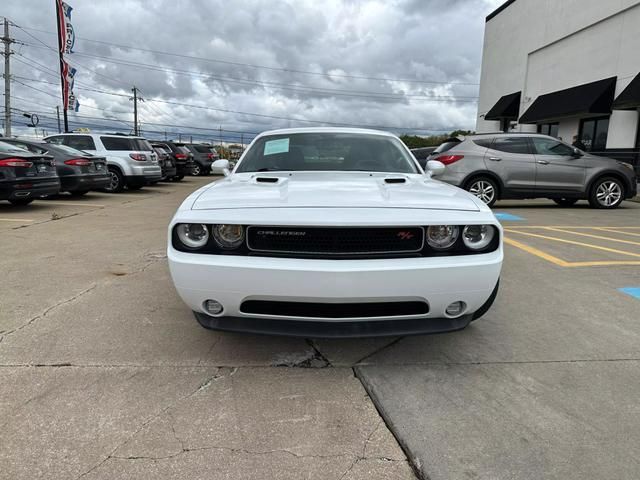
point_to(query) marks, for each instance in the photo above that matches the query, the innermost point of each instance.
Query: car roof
(286, 131)
(111, 135)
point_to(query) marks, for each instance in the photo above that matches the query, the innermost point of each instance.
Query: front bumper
(231, 280)
(72, 183)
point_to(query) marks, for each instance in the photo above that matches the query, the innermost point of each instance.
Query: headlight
(193, 235)
(478, 237)
(442, 237)
(228, 237)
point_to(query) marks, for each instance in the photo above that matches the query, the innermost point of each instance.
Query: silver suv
(516, 166)
(131, 161)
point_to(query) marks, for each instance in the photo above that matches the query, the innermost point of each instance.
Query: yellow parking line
(72, 204)
(16, 220)
(604, 263)
(536, 252)
(599, 237)
(580, 244)
(536, 227)
(611, 229)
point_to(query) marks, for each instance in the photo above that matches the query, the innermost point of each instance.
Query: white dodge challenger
(334, 232)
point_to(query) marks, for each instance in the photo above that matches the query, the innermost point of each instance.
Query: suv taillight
(139, 157)
(78, 162)
(449, 159)
(15, 162)
(181, 156)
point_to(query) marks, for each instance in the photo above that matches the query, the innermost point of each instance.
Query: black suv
(182, 158)
(204, 155)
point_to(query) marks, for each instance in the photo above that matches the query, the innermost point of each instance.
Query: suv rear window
(446, 146)
(126, 143)
(203, 148)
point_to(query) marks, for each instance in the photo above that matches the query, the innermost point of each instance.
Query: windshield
(346, 152)
(68, 150)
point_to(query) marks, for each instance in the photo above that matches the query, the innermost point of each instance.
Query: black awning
(629, 99)
(593, 98)
(508, 107)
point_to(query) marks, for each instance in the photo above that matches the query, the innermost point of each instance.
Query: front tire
(116, 183)
(485, 189)
(20, 202)
(606, 193)
(565, 202)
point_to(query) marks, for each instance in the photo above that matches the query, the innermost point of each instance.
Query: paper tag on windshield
(272, 147)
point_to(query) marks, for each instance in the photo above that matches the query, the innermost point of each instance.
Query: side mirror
(221, 166)
(435, 168)
(577, 153)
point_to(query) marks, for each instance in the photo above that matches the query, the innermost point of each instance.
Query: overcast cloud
(436, 41)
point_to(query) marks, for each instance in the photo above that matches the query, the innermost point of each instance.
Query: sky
(202, 66)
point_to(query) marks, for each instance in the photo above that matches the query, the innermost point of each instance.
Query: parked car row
(80, 162)
(521, 166)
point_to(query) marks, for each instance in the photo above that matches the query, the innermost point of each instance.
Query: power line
(265, 67)
(281, 86)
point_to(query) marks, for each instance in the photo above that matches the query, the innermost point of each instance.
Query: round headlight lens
(442, 237)
(478, 237)
(193, 235)
(228, 237)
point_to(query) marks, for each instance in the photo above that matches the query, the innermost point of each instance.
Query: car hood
(320, 189)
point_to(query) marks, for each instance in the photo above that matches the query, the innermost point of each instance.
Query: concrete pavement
(106, 374)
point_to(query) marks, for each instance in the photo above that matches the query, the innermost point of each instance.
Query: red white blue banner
(68, 77)
(67, 34)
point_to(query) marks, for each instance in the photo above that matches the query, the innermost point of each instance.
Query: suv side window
(484, 142)
(547, 146)
(80, 142)
(117, 143)
(519, 145)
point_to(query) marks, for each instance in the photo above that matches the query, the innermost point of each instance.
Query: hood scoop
(267, 180)
(393, 180)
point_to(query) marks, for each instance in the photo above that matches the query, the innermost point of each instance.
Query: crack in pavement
(149, 420)
(252, 365)
(48, 310)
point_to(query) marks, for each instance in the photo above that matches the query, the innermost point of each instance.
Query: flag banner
(68, 78)
(67, 34)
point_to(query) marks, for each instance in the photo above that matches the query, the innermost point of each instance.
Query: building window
(593, 133)
(550, 129)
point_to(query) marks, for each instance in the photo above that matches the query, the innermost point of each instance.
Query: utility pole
(58, 115)
(242, 141)
(135, 110)
(7, 78)
(179, 137)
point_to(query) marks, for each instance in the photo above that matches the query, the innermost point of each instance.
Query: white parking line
(22, 220)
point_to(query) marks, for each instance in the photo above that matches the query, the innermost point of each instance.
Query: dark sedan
(79, 171)
(25, 176)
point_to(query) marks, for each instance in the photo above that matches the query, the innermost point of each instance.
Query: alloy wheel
(483, 190)
(196, 170)
(114, 181)
(608, 193)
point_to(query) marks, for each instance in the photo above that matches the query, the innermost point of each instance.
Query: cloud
(353, 48)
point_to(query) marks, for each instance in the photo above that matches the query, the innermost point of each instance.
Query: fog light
(456, 309)
(213, 307)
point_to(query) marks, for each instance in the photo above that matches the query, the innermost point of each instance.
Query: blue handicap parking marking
(507, 217)
(633, 291)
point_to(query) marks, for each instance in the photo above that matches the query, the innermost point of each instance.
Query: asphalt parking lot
(104, 373)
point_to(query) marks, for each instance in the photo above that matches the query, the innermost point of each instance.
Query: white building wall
(541, 46)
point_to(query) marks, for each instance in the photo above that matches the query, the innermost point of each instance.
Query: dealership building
(564, 68)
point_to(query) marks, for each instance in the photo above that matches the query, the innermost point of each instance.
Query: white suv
(131, 161)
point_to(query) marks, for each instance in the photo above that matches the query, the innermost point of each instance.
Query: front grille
(336, 241)
(334, 310)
